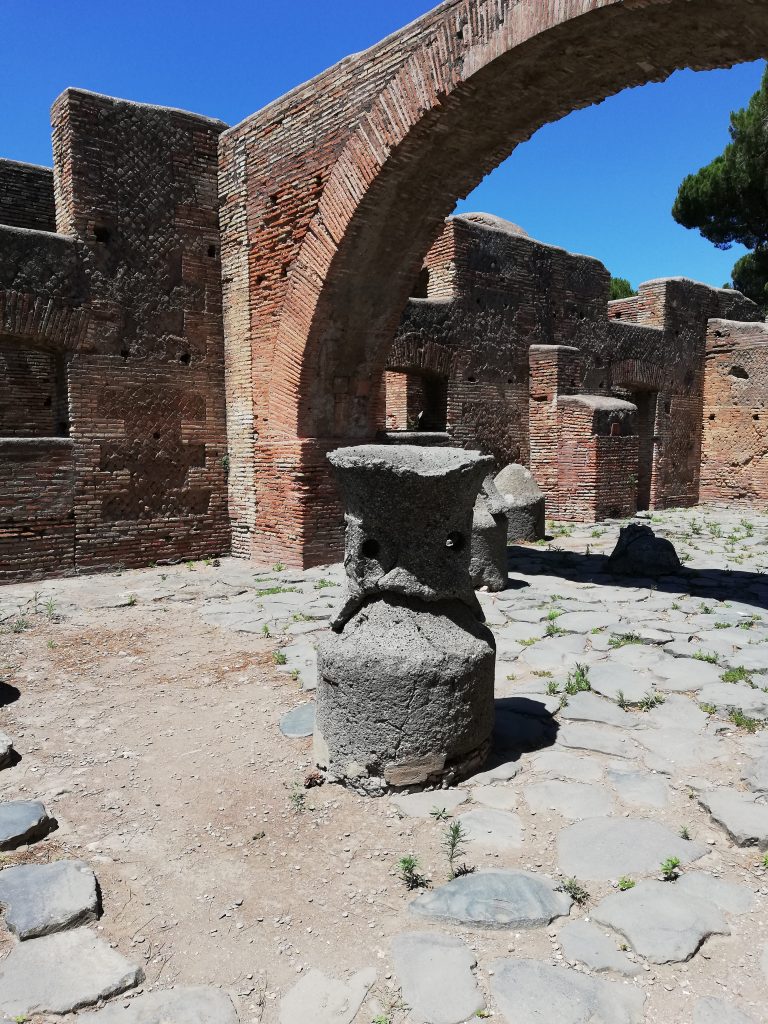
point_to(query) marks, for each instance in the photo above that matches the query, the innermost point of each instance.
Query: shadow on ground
(715, 584)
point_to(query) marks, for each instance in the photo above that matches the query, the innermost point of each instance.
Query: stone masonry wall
(26, 196)
(735, 414)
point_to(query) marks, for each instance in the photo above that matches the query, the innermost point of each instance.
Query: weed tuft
(575, 890)
(670, 869)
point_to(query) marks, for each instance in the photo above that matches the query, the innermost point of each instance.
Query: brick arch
(42, 322)
(347, 180)
(638, 375)
(414, 354)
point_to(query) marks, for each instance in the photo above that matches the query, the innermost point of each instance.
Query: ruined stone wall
(735, 413)
(26, 196)
(125, 304)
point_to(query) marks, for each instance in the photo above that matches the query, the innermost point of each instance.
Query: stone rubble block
(22, 822)
(530, 992)
(494, 899)
(324, 1000)
(662, 923)
(43, 898)
(61, 973)
(196, 1005)
(435, 972)
(604, 849)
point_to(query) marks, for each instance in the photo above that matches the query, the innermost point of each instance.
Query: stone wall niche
(405, 680)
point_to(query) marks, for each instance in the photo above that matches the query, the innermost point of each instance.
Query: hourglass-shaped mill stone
(488, 565)
(405, 681)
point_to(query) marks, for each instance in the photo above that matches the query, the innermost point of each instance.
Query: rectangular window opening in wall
(33, 391)
(416, 401)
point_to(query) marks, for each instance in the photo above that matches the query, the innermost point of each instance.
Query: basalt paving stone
(494, 899)
(736, 695)
(588, 707)
(421, 805)
(637, 656)
(435, 973)
(554, 652)
(196, 1005)
(493, 829)
(572, 800)
(681, 675)
(612, 680)
(640, 789)
(754, 658)
(588, 945)
(502, 772)
(323, 1000)
(602, 739)
(299, 722)
(677, 712)
(23, 821)
(668, 750)
(756, 774)
(517, 733)
(711, 1010)
(687, 649)
(501, 798)
(745, 821)
(662, 923)
(728, 896)
(63, 972)
(530, 992)
(585, 622)
(601, 849)
(44, 898)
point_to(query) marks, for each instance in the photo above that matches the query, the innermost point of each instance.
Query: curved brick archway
(333, 195)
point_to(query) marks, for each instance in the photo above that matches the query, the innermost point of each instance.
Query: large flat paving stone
(572, 800)
(588, 945)
(640, 789)
(601, 739)
(589, 707)
(607, 848)
(435, 973)
(662, 923)
(569, 767)
(530, 992)
(729, 896)
(492, 829)
(756, 774)
(299, 722)
(500, 798)
(745, 821)
(44, 898)
(324, 1000)
(23, 821)
(735, 695)
(669, 749)
(712, 1010)
(611, 680)
(421, 805)
(494, 899)
(685, 675)
(197, 1005)
(63, 972)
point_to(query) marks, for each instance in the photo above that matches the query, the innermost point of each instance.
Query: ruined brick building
(192, 316)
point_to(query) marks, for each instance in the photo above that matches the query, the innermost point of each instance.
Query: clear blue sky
(601, 181)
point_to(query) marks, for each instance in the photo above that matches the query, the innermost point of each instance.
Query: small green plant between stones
(278, 567)
(708, 709)
(617, 640)
(737, 674)
(265, 630)
(322, 584)
(578, 680)
(670, 869)
(621, 700)
(454, 843)
(279, 657)
(298, 798)
(742, 721)
(553, 688)
(685, 832)
(651, 700)
(707, 656)
(19, 624)
(575, 890)
(409, 872)
(625, 883)
(439, 813)
(765, 860)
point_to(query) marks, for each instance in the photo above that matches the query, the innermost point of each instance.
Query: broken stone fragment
(639, 552)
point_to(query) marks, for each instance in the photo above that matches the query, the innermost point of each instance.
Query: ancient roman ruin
(307, 714)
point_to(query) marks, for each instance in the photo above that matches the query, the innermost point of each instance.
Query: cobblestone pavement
(619, 836)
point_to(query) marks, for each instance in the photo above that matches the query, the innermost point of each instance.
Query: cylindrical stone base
(405, 695)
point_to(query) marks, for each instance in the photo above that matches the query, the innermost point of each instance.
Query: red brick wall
(26, 196)
(735, 413)
(31, 400)
(37, 531)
